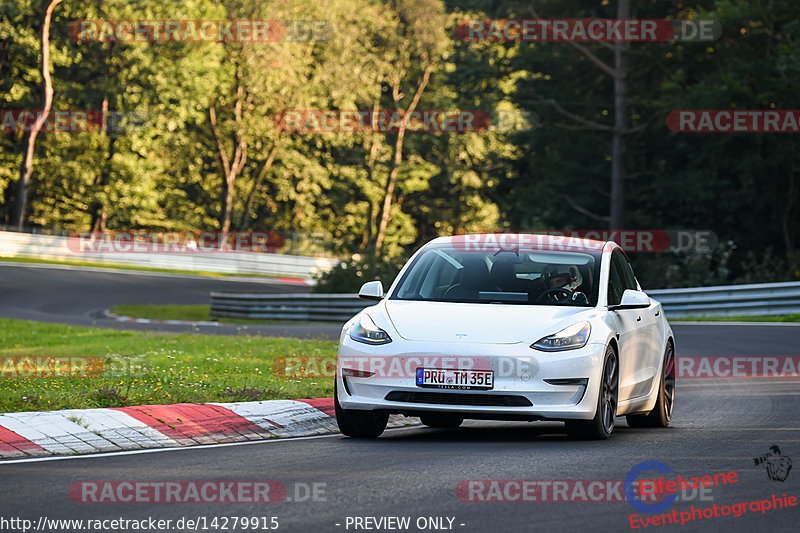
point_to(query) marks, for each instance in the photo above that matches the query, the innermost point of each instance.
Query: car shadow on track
(494, 432)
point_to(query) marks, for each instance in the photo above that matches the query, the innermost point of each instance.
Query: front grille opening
(449, 398)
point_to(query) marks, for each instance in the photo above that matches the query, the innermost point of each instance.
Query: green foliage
(167, 171)
(348, 276)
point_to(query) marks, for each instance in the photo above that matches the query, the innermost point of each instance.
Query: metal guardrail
(312, 307)
(55, 247)
(758, 299)
(731, 300)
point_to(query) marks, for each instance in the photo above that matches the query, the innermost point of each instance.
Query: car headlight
(570, 338)
(367, 332)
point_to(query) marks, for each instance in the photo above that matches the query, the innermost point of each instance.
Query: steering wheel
(551, 295)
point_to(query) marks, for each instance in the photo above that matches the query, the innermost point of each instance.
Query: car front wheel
(359, 424)
(601, 426)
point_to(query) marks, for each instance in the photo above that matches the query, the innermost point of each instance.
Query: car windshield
(446, 274)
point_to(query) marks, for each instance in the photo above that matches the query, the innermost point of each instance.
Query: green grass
(195, 313)
(118, 266)
(770, 318)
(140, 368)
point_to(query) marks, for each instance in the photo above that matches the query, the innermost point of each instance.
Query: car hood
(479, 323)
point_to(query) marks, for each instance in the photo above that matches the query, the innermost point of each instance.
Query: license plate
(450, 378)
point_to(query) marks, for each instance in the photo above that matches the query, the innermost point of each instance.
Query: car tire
(441, 420)
(601, 426)
(359, 424)
(661, 415)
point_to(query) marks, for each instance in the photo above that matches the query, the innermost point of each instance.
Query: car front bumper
(528, 384)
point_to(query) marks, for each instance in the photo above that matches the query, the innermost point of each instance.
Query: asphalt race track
(719, 426)
(78, 296)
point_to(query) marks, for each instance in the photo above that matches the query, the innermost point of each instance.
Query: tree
(420, 43)
(619, 146)
(619, 131)
(47, 85)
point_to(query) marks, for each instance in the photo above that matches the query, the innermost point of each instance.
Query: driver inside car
(560, 285)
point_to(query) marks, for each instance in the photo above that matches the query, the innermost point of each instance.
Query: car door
(630, 332)
(649, 357)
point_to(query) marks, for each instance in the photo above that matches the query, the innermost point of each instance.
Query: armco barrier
(731, 300)
(55, 247)
(759, 299)
(314, 307)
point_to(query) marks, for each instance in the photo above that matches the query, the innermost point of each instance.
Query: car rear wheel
(441, 420)
(359, 424)
(661, 415)
(601, 426)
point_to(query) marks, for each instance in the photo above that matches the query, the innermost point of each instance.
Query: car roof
(509, 240)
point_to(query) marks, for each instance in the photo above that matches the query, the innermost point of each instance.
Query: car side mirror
(632, 299)
(372, 290)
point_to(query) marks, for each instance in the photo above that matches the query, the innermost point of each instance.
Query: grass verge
(140, 368)
(770, 318)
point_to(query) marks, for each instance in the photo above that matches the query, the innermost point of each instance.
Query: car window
(449, 274)
(616, 284)
(433, 275)
(628, 279)
(414, 280)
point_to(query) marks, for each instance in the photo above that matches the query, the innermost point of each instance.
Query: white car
(508, 327)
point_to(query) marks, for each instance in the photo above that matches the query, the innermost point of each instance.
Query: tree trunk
(787, 226)
(99, 225)
(243, 221)
(27, 164)
(231, 166)
(618, 144)
(389, 191)
(227, 198)
(373, 153)
(99, 210)
(391, 181)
